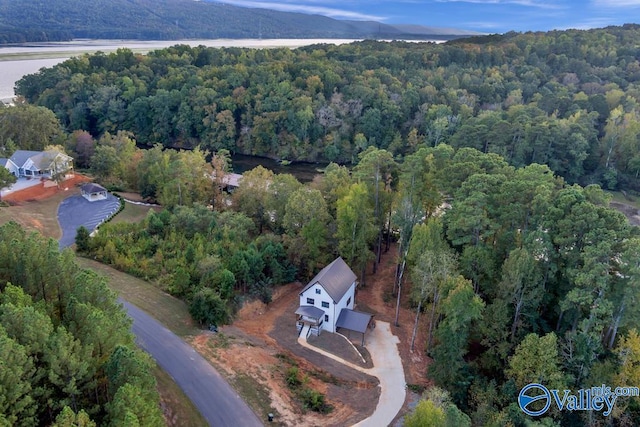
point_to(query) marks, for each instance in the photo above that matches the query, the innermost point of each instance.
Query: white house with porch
(38, 164)
(327, 302)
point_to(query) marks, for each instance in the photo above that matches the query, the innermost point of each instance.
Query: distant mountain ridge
(57, 20)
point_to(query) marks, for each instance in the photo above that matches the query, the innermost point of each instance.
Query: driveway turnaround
(387, 367)
(75, 211)
(218, 403)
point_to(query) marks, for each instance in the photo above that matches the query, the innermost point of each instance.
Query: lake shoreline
(18, 60)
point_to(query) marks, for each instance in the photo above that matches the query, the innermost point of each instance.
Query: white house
(38, 164)
(12, 167)
(328, 299)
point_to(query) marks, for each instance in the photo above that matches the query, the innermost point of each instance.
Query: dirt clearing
(262, 345)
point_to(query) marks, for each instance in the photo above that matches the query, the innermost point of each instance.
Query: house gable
(20, 157)
(32, 163)
(331, 290)
(8, 164)
(336, 279)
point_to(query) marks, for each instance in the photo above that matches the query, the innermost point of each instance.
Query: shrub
(293, 380)
(314, 400)
(83, 239)
(208, 308)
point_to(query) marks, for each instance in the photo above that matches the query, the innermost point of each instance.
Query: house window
(349, 301)
(326, 317)
(325, 304)
(311, 301)
(318, 291)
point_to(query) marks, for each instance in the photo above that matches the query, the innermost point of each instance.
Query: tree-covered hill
(54, 20)
(568, 99)
(67, 355)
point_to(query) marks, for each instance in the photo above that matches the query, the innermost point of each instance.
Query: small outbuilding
(93, 192)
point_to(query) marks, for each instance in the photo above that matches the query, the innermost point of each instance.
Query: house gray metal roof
(44, 159)
(310, 311)
(41, 159)
(336, 278)
(3, 161)
(353, 320)
(20, 157)
(232, 179)
(92, 188)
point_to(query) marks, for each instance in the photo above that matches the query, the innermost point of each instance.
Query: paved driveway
(387, 367)
(218, 403)
(75, 211)
(20, 184)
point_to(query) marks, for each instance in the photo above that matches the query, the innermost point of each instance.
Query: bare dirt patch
(377, 298)
(631, 212)
(44, 190)
(262, 344)
(36, 208)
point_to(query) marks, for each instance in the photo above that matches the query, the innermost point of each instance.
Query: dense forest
(465, 158)
(568, 99)
(523, 278)
(57, 20)
(67, 355)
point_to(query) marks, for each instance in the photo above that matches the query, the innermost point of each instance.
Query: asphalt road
(217, 401)
(75, 211)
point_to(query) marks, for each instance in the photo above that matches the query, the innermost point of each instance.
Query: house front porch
(309, 315)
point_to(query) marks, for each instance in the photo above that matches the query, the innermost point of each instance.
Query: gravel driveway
(75, 211)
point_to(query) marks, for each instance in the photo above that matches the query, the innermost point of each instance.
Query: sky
(486, 16)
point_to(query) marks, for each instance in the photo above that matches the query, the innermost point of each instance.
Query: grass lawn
(40, 215)
(133, 213)
(179, 410)
(629, 199)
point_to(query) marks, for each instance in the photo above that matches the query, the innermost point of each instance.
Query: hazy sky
(491, 16)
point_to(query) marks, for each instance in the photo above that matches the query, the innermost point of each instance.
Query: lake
(12, 71)
(17, 61)
(303, 171)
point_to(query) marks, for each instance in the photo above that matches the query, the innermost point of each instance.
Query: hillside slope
(55, 20)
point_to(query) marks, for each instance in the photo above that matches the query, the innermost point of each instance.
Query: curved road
(212, 395)
(218, 403)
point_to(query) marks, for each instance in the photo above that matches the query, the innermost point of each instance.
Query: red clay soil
(260, 333)
(39, 191)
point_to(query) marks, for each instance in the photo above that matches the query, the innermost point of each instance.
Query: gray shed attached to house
(93, 192)
(354, 321)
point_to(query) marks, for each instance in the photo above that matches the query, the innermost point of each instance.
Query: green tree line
(567, 99)
(67, 354)
(517, 275)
